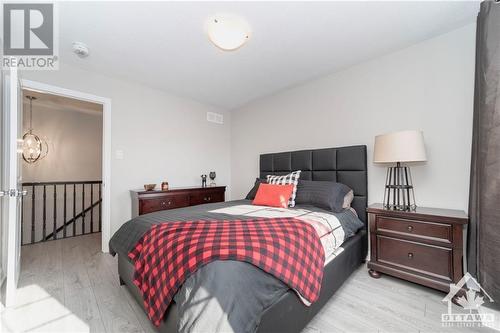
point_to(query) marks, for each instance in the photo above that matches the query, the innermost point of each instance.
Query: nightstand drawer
(419, 230)
(427, 259)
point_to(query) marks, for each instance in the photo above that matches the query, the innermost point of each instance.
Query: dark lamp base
(399, 193)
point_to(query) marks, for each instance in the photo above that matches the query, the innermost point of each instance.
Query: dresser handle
(410, 228)
(410, 255)
(169, 203)
(163, 203)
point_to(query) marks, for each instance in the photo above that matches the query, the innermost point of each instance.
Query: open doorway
(104, 105)
(62, 167)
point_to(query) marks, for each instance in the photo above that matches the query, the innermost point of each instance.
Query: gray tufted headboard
(345, 165)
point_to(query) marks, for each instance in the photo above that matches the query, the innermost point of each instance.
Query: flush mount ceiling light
(228, 32)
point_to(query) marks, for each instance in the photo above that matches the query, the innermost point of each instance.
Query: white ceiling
(164, 45)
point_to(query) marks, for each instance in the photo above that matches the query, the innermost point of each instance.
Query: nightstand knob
(410, 228)
(410, 255)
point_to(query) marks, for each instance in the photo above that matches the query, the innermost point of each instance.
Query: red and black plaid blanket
(168, 253)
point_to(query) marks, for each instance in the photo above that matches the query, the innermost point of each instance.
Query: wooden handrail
(62, 183)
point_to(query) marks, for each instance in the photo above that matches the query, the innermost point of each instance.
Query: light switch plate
(119, 154)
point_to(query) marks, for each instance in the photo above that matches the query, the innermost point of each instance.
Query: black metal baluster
(64, 214)
(100, 206)
(91, 207)
(44, 230)
(32, 214)
(54, 232)
(74, 209)
(83, 209)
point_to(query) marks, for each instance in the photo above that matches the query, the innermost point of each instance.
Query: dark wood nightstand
(424, 246)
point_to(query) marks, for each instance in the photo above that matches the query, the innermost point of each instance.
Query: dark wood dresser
(424, 246)
(144, 202)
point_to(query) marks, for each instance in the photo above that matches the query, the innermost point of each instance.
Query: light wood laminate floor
(70, 286)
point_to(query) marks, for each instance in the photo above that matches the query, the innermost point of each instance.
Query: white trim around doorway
(106, 145)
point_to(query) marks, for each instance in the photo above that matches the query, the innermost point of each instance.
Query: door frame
(11, 249)
(106, 146)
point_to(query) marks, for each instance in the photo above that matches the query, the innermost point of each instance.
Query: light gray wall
(428, 86)
(163, 137)
(75, 144)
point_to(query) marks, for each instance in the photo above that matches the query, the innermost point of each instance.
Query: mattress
(286, 314)
(212, 299)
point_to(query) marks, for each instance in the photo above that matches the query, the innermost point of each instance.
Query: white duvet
(327, 225)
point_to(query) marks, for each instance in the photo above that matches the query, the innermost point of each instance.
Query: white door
(3, 237)
(11, 182)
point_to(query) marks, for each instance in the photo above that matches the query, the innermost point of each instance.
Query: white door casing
(106, 145)
(11, 181)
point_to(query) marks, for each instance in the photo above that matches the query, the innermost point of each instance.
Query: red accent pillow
(273, 195)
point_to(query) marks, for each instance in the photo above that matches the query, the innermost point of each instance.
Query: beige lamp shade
(405, 146)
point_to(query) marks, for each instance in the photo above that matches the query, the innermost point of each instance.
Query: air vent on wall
(215, 118)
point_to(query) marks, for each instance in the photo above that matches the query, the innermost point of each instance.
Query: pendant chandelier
(34, 148)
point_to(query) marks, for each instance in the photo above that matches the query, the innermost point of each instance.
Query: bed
(282, 310)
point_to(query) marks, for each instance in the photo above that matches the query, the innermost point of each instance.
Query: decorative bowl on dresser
(144, 202)
(424, 246)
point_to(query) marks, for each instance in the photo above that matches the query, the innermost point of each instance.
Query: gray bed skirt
(288, 314)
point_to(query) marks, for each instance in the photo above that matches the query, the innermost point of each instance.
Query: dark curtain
(484, 206)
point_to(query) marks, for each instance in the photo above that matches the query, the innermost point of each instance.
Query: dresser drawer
(144, 202)
(427, 259)
(420, 230)
(163, 202)
(206, 197)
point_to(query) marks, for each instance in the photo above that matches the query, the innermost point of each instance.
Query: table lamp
(398, 148)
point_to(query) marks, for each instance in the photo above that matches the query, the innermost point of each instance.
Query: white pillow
(291, 178)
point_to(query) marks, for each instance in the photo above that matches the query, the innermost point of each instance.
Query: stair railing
(61, 209)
